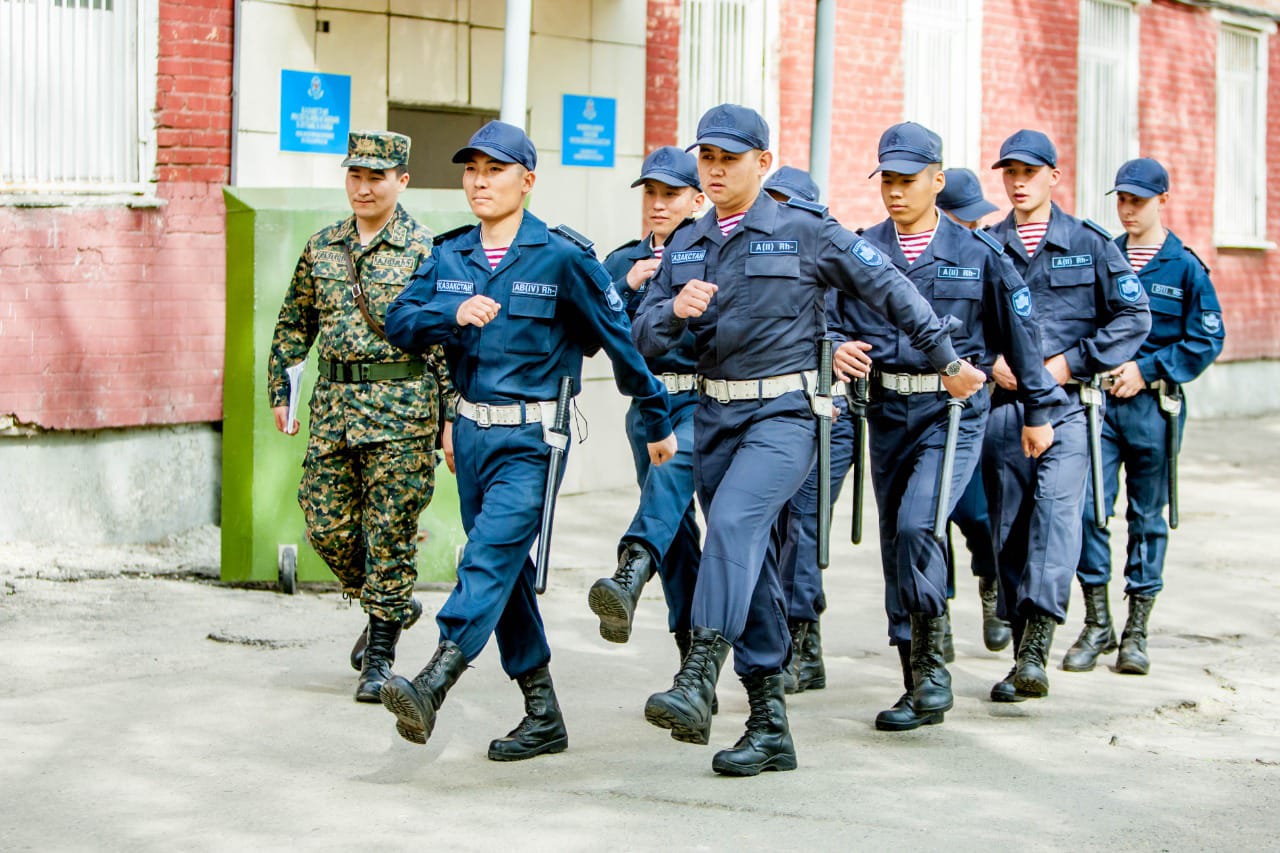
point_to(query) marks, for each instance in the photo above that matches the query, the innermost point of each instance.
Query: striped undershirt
(1031, 234)
(657, 251)
(913, 245)
(1139, 256)
(495, 256)
(729, 222)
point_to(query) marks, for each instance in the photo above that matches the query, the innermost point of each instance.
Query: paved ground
(145, 707)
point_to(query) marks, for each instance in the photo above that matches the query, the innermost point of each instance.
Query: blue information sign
(315, 112)
(589, 131)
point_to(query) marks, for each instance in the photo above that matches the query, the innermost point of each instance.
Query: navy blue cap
(907, 148)
(1143, 177)
(501, 141)
(793, 183)
(734, 128)
(1028, 146)
(962, 196)
(670, 165)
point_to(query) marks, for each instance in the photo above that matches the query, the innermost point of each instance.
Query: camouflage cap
(376, 149)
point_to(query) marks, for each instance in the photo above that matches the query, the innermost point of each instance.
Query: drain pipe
(824, 62)
(515, 62)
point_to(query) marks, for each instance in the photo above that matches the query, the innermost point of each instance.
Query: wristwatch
(953, 368)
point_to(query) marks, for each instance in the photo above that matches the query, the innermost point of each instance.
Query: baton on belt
(822, 408)
(942, 512)
(858, 398)
(1091, 397)
(1170, 397)
(557, 436)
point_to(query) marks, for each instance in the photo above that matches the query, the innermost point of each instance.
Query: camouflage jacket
(321, 309)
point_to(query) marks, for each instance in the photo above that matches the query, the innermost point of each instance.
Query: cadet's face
(732, 181)
(1139, 215)
(910, 198)
(373, 193)
(494, 189)
(1028, 186)
(664, 206)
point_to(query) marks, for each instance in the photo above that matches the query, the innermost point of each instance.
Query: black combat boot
(686, 707)
(541, 730)
(614, 599)
(1031, 676)
(375, 665)
(902, 717)
(948, 641)
(357, 651)
(684, 639)
(1133, 642)
(931, 690)
(791, 675)
(1098, 636)
(766, 744)
(1003, 690)
(813, 672)
(995, 631)
(415, 702)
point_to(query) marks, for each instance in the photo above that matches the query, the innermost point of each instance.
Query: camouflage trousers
(361, 505)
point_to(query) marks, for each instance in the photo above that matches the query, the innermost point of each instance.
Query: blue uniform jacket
(772, 272)
(963, 275)
(1088, 302)
(556, 301)
(1186, 320)
(678, 359)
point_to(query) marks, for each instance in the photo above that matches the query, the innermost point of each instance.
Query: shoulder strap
(805, 204)
(989, 240)
(574, 237)
(1192, 252)
(358, 292)
(1106, 235)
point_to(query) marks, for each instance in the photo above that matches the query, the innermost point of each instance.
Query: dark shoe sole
(606, 603)
(999, 695)
(1030, 688)
(399, 697)
(1128, 668)
(905, 726)
(548, 748)
(775, 762)
(1068, 666)
(818, 683)
(369, 695)
(680, 728)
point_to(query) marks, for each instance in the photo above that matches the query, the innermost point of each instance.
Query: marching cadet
(664, 534)
(1145, 409)
(1092, 313)
(370, 465)
(514, 304)
(963, 274)
(749, 283)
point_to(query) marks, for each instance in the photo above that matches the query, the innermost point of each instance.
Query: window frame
(1260, 29)
(970, 39)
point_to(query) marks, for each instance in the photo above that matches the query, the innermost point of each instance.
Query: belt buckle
(482, 415)
(362, 372)
(904, 383)
(670, 381)
(724, 397)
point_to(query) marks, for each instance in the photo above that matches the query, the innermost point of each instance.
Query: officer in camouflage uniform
(375, 412)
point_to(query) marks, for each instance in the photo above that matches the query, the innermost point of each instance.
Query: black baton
(942, 512)
(858, 399)
(1091, 396)
(558, 437)
(822, 408)
(1170, 398)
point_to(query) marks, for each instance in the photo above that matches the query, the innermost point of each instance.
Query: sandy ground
(147, 707)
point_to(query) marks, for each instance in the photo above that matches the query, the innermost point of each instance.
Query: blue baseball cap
(793, 183)
(501, 141)
(734, 128)
(962, 196)
(1028, 146)
(907, 148)
(1143, 177)
(672, 166)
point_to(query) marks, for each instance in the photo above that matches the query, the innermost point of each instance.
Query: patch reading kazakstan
(1212, 322)
(1166, 290)
(867, 253)
(533, 288)
(1130, 287)
(692, 256)
(1021, 300)
(1067, 262)
(453, 285)
(774, 247)
(966, 273)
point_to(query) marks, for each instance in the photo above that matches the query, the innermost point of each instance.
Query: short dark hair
(402, 170)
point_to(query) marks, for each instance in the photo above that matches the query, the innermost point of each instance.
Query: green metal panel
(266, 232)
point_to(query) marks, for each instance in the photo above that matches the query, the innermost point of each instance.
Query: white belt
(912, 383)
(507, 414)
(677, 382)
(731, 390)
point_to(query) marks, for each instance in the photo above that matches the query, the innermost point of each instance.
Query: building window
(436, 133)
(70, 96)
(942, 74)
(1107, 101)
(728, 54)
(1240, 182)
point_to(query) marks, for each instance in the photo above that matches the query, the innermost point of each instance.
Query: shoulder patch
(867, 253)
(1089, 223)
(1130, 288)
(1021, 301)
(1211, 321)
(992, 242)
(440, 239)
(574, 237)
(1192, 252)
(805, 204)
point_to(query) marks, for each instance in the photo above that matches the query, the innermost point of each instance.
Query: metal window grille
(1107, 104)
(1240, 179)
(728, 54)
(942, 74)
(70, 95)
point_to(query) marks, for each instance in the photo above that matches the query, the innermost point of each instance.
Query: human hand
(1058, 369)
(661, 451)
(966, 383)
(1036, 440)
(1003, 376)
(851, 361)
(693, 298)
(641, 271)
(282, 414)
(1127, 379)
(477, 311)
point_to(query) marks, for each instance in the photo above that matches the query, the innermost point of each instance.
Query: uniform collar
(1170, 249)
(532, 232)
(1059, 231)
(762, 216)
(885, 235)
(394, 233)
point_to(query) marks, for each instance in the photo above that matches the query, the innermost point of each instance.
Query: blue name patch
(774, 247)
(867, 253)
(693, 256)
(967, 273)
(452, 285)
(533, 288)
(1071, 262)
(1166, 290)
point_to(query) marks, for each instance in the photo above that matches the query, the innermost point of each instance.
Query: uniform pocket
(1168, 307)
(529, 324)
(774, 279)
(952, 289)
(1073, 290)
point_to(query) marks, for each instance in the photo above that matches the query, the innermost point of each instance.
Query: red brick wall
(662, 70)
(114, 317)
(795, 84)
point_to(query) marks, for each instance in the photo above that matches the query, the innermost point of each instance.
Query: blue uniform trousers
(502, 471)
(1036, 508)
(750, 458)
(798, 528)
(1133, 435)
(974, 521)
(907, 437)
(666, 522)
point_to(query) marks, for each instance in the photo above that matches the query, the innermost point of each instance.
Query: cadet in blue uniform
(1186, 336)
(962, 201)
(664, 534)
(515, 304)
(749, 282)
(963, 274)
(1092, 313)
